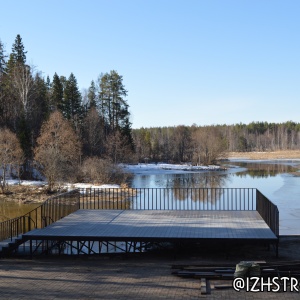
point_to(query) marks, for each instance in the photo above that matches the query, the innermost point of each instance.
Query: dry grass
(286, 154)
(37, 194)
(26, 194)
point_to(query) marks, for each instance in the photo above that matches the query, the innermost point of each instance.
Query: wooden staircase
(7, 247)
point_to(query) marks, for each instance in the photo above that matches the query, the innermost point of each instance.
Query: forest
(206, 144)
(48, 124)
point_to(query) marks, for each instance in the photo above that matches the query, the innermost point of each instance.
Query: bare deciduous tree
(93, 133)
(99, 171)
(58, 150)
(118, 148)
(209, 145)
(182, 143)
(11, 153)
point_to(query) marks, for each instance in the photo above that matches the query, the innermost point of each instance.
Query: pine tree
(19, 55)
(41, 100)
(71, 105)
(113, 106)
(92, 97)
(57, 93)
(48, 83)
(63, 81)
(9, 107)
(127, 133)
(10, 64)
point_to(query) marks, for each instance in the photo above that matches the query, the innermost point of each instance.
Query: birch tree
(23, 82)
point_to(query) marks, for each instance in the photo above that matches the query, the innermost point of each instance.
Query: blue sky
(182, 62)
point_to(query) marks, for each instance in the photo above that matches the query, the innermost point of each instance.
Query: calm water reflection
(263, 170)
(245, 173)
(10, 210)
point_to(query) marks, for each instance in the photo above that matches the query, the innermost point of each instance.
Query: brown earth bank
(27, 194)
(285, 154)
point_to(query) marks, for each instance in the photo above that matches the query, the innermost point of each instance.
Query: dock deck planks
(156, 225)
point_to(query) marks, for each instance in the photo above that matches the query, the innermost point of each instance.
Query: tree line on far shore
(207, 144)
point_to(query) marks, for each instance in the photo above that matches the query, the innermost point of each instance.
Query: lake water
(275, 179)
(10, 210)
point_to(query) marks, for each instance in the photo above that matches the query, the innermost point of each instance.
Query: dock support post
(30, 248)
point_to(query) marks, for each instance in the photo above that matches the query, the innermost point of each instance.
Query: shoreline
(33, 192)
(270, 155)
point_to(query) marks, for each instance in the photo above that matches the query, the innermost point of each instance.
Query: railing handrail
(57, 206)
(7, 227)
(169, 198)
(229, 199)
(268, 211)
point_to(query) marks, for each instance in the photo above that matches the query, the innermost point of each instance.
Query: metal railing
(169, 198)
(50, 211)
(62, 205)
(239, 199)
(268, 211)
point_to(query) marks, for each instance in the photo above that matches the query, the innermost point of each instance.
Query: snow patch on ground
(161, 168)
(91, 186)
(26, 182)
(68, 186)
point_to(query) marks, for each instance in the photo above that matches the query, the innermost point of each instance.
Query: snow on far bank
(161, 168)
(68, 186)
(26, 182)
(91, 186)
(150, 169)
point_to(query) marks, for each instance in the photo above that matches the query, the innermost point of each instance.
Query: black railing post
(51, 209)
(28, 223)
(11, 230)
(268, 211)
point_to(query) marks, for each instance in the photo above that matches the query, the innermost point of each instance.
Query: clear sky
(183, 62)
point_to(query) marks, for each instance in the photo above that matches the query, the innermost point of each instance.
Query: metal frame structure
(199, 199)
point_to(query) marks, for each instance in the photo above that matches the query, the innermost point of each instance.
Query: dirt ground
(135, 276)
(27, 194)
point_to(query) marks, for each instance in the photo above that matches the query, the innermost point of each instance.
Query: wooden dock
(156, 226)
(141, 219)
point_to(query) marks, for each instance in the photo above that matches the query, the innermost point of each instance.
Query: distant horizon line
(223, 124)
